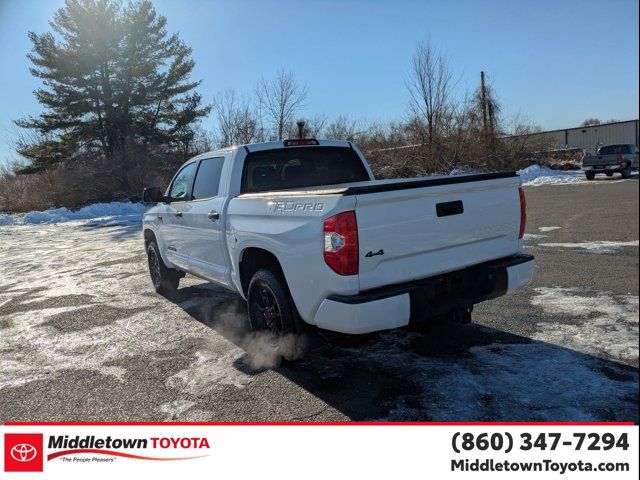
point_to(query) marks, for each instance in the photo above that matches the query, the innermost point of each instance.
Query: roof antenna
(301, 129)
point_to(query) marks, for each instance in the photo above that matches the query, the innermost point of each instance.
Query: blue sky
(555, 62)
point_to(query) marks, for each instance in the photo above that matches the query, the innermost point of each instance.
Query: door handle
(178, 214)
(213, 215)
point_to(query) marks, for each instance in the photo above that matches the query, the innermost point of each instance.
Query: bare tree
(280, 101)
(345, 128)
(203, 140)
(590, 121)
(430, 88)
(237, 121)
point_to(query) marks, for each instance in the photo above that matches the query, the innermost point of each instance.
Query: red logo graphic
(23, 452)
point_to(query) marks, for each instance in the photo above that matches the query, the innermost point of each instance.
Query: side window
(180, 186)
(208, 178)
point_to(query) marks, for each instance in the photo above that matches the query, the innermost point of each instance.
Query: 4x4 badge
(371, 254)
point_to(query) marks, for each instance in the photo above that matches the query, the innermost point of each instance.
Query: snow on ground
(532, 237)
(121, 211)
(114, 316)
(103, 309)
(601, 246)
(529, 237)
(61, 263)
(536, 175)
(566, 372)
(534, 381)
(601, 324)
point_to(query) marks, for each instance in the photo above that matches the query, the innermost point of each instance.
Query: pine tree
(115, 83)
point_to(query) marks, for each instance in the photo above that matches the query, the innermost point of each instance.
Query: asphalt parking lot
(83, 336)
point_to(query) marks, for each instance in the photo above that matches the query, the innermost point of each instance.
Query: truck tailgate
(413, 233)
(600, 160)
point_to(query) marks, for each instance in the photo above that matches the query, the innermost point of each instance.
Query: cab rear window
(295, 168)
(614, 149)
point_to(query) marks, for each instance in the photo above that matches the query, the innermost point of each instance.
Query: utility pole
(300, 130)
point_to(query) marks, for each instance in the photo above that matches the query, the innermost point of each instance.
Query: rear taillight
(341, 243)
(523, 212)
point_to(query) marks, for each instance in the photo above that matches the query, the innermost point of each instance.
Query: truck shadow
(616, 178)
(118, 228)
(444, 372)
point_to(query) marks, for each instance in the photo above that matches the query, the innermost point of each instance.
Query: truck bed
(413, 229)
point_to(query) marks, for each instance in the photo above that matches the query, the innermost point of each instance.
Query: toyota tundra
(303, 232)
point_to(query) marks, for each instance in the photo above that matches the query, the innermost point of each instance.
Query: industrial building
(589, 138)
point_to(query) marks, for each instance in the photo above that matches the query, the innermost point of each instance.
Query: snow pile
(536, 175)
(133, 212)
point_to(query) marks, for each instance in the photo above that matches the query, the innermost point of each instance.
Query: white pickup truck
(303, 231)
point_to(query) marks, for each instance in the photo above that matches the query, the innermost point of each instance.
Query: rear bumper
(395, 306)
(616, 167)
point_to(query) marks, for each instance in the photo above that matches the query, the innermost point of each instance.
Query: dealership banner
(310, 451)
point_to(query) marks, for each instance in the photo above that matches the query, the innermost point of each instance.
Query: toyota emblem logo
(23, 452)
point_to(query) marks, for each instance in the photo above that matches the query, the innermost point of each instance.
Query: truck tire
(165, 280)
(270, 305)
(626, 173)
(609, 174)
(590, 175)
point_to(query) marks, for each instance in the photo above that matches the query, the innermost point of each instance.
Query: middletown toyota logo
(23, 452)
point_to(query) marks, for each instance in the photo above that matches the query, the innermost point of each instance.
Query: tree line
(121, 111)
(443, 129)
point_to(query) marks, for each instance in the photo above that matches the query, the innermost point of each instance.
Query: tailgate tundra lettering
(290, 206)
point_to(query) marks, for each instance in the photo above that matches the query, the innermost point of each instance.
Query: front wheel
(165, 280)
(590, 175)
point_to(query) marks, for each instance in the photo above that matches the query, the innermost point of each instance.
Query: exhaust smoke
(263, 349)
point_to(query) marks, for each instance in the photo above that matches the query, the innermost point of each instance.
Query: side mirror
(152, 195)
